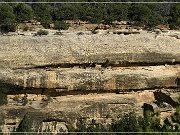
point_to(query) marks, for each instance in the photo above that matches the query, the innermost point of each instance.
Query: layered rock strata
(101, 76)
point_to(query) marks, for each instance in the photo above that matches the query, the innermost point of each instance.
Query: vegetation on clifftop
(146, 15)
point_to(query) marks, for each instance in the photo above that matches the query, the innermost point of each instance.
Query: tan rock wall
(91, 79)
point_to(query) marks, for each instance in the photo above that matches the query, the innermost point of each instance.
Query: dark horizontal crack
(54, 92)
(103, 65)
(14, 123)
(53, 120)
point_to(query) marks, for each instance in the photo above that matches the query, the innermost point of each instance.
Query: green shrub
(3, 98)
(70, 127)
(81, 125)
(5, 28)
(45, 23)
(25, 125)
(128, 122)
(173, 26)
(42, 32)
(61, 25)
(175, 119)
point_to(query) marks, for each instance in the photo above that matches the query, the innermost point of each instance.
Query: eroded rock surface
(88, 76)
(25, 51)
(71, 61)
(66, 79)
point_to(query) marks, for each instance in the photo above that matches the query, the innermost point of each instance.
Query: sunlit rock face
(71, 61)
(26, 51)
(137, 78)
(70, 77)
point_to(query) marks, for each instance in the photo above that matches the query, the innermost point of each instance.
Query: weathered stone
(72, 67)
(21, 51)
(94, 79)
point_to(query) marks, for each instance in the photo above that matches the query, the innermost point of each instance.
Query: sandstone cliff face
(70, 61)
(25, 51)
(89, 76)
(58, 111)
(70, 79)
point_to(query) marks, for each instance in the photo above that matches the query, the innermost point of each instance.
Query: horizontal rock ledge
(66, 79)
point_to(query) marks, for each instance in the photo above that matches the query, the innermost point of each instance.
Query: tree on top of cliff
(175, 16)
(7, 18)
(144, 15)
(43, 13)
(23, 12)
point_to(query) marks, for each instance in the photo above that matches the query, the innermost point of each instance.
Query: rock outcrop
(88, 76)
(70, 61)
(70, 48)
